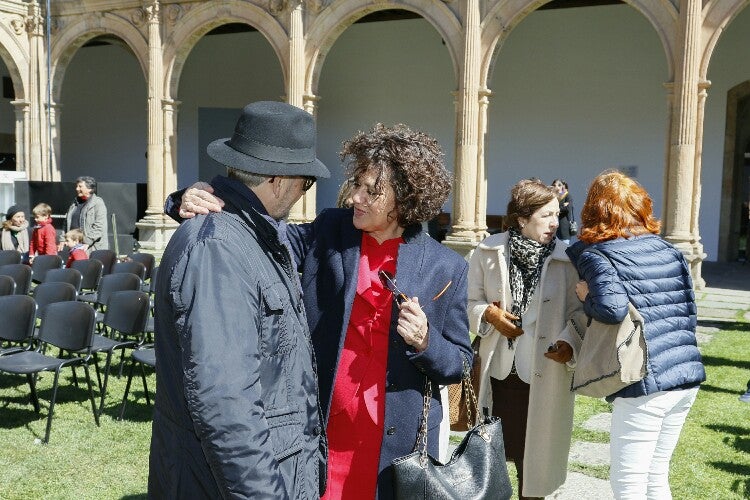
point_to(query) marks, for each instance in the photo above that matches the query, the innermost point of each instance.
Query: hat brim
(220, 151)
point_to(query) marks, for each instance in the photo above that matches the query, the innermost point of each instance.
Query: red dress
(355, 423)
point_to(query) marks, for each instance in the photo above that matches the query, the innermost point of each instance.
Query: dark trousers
(510, 402)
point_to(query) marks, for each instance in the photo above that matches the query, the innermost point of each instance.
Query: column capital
(310, 103)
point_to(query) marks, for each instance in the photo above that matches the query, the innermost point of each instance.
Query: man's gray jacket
(236, 412)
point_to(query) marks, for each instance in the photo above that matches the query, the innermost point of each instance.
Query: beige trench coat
(550, 420)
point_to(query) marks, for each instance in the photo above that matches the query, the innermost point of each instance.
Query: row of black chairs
(121, 321)
(100, 263)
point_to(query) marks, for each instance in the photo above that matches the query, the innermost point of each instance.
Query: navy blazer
(327, 252)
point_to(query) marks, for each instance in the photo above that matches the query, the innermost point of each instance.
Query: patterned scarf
(525, 267)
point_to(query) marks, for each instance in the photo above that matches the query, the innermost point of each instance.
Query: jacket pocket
(276, 332)
(285, 426)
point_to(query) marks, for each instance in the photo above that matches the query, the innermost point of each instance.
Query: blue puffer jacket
(654, 276)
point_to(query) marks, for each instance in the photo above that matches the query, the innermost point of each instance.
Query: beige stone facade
(161, 33)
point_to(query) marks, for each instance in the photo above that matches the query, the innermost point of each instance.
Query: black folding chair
(10, 257)
(112, 283)
(106, 257)
(19, 313)
(91, 273)
(7, 285)
(144, 356)
(51, 292)
(147, 259)
(130, 266)
(42, 264)
(21, 274)
(65, 275)
(124, 323)
(68, 326)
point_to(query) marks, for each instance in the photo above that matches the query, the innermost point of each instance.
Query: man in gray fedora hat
(236, 412)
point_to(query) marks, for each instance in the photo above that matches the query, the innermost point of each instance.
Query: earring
(521, 225)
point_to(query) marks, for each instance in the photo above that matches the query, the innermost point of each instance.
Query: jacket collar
(499, 243)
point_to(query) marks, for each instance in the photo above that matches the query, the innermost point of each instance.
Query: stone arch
(201, 19)
(15, 56)
(72, 37)
(333, 22)
(500, 22)
(717, 17)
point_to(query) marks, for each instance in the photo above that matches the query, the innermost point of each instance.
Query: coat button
(317, 430)
(537, 374)
(391, 431)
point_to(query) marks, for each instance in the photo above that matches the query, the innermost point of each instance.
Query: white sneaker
(745, 398)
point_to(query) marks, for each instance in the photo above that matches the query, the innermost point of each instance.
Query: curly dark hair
(410, 161)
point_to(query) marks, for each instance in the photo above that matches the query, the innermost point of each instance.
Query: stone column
(304, 209)
(155, 147)
(54, 152)
(22, 109)
(37, 167)
(697, 247)
(680, 176)
(468, 175)
(481, 198)
(169, 111)
(155, 229)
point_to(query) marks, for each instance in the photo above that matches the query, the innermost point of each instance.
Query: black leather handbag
(476, 470)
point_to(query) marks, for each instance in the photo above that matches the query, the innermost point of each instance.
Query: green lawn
(82, 461)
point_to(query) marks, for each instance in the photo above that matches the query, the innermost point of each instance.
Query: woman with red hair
(622, 260)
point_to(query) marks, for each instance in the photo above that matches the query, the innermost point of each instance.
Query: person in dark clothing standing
(567, 226)
(237, 413)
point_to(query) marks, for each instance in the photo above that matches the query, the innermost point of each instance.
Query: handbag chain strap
(421, 443)
(472, 399)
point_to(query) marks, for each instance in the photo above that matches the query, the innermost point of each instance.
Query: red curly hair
(616, 207)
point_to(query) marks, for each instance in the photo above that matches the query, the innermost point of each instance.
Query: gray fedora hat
(271, 138)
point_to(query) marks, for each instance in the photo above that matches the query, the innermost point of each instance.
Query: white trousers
(644, 435)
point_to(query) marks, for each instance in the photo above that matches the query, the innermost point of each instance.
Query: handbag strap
(421, 443)
(472, 399)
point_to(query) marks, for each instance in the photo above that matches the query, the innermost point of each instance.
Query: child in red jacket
(44, 237)
(74, 241)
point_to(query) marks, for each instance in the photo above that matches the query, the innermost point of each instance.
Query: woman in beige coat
(521, 295)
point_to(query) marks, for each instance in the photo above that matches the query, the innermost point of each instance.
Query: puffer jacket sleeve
(218, 336)
(607, 300)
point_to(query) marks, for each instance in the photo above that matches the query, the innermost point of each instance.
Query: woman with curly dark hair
(374, 347)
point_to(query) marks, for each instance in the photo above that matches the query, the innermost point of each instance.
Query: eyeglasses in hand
(389, 282)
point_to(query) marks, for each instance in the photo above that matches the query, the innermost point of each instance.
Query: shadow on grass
(729, 429)
(717, 361)
(136, 409)
(18, 410)
(739, 326)
(740, 444)
(719, 390)
(741, 486)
